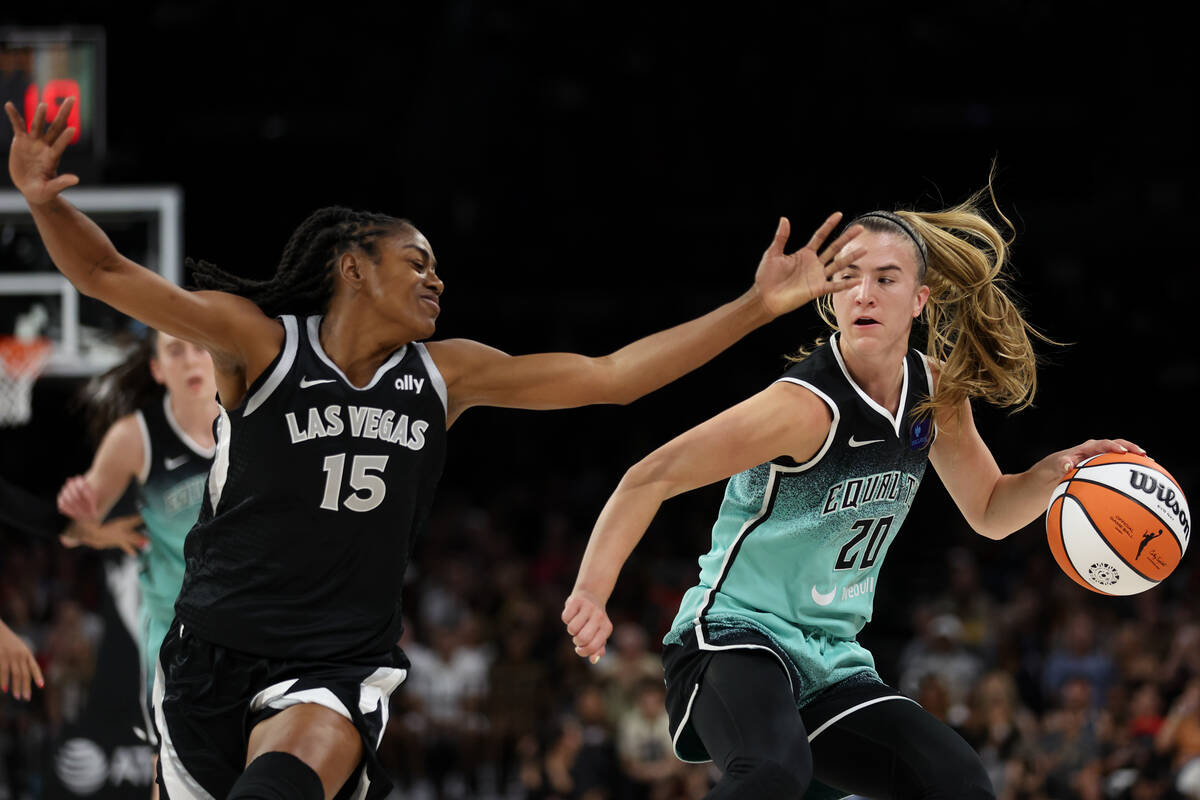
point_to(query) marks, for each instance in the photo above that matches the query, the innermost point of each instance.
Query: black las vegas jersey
(317, 493)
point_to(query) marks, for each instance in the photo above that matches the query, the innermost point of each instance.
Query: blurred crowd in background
(1065, 694)
(589, 175)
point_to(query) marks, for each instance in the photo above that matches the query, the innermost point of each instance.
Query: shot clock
(50, 65)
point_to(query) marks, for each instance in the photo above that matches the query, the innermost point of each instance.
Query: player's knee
(782, 768)
(278, 776)
(789, 752)
(962, 778)
(767, 778)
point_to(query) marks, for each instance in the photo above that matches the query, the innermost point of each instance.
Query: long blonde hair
(975, 332)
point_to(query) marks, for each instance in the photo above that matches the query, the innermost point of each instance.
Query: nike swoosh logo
(173, 463)
(855, 443)
(305, 382)
(823, 599)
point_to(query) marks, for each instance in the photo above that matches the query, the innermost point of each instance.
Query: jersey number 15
(361, 480)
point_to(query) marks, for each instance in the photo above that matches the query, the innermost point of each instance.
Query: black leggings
(890, 750)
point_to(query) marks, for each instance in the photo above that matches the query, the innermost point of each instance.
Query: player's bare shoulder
(256, 334)
(126, 433)
(457, 357)
(464, 363)
(806, 418)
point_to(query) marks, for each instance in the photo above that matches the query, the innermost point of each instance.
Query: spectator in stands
(644, 742)
(623, 670)
(999, 728)
(1077, 654)
(940, 651)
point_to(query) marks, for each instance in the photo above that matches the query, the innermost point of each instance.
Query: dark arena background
(590, 173)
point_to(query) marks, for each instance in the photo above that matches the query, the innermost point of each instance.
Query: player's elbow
(990, 530)
(656, 474)
(608, 383)
(98, 275)
(640, 474)
(994, 534)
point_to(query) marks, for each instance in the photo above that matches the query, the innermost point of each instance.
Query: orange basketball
(1118, 523)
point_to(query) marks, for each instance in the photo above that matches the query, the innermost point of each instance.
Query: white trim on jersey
(144, 475)
(837, 353)
(837, 416)
(852, 709)
(179, 783)
(768, 490)
(726, 562)
(192, 444)
(435, 375)
(291, 344)
(929, 383)
(220, 468)
(314, 340)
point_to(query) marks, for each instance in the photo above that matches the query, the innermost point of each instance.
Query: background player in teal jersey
(822, 467)
(160, 444)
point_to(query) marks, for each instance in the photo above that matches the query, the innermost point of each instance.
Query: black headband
(899, 222)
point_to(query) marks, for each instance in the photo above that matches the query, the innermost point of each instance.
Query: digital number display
(48, 66)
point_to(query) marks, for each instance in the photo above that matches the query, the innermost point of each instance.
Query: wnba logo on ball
(1166, 495)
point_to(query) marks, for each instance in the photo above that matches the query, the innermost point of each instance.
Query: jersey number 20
(361, 480)
(849, 552)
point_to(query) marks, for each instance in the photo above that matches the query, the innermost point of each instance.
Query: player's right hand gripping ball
(1118, 523)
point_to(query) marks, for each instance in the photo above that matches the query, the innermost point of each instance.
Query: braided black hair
(303, 281)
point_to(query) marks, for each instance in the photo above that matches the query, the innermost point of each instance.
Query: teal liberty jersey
(169, 493)
(797, 548)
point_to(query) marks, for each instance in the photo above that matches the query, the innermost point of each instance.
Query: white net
(21, 362)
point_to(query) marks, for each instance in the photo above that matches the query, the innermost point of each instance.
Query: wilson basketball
(1118, 523)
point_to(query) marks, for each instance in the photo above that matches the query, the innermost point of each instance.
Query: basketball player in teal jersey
(160, 443)
(764, 673)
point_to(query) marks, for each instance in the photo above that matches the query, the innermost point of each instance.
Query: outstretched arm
(479, 375)
(783, 419)
(241, 338)
(997, 504)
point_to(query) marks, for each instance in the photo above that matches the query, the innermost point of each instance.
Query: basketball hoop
(21, 362)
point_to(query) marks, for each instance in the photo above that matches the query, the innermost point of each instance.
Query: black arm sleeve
(29, 513)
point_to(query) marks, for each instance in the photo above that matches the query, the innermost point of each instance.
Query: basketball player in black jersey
(274, 680)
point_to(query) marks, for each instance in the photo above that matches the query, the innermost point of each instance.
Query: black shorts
(208, 698)
(684, 665)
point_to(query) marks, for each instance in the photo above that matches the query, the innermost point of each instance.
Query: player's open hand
(786, 282)
(18, 668)
(587, 623)
(122, 533)
(34, 155)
